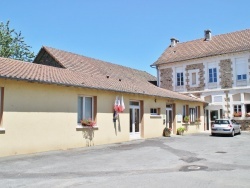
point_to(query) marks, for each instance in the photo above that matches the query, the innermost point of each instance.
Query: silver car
(226, 126)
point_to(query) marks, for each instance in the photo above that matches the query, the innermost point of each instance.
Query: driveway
(197, 160)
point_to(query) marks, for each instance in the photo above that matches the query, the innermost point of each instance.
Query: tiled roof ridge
(216, 36)
(236, 41)
(91, 58)
(56, 68)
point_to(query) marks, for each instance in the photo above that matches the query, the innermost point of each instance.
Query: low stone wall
(245, 124)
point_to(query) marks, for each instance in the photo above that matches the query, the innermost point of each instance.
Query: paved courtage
(198, 160)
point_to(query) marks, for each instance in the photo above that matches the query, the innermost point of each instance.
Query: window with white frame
(212, 73)
(237, 108)
(197, 114)
(185, 111)
(193, 77)
(85, 108)
(154, 111)
(179, 76)
(241, 69)
(237, 111)
(192, 114)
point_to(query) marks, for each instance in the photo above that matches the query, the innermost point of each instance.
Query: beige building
(42, 106)
(214, 68)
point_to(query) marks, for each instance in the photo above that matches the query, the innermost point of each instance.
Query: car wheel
(213, 134)
(232, 134)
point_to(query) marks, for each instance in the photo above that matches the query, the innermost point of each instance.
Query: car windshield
(221, 122)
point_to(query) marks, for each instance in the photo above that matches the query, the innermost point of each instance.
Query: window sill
(241, 83)
(155, 116)
(212, 85)
(80, 127)
(195, 123)
(179, 88)
(2, 131)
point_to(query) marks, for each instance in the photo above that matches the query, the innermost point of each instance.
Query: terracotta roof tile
(219, 44)
(19, 70)
(93, 66)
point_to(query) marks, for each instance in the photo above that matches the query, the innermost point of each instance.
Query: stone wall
(245, 124)
(226, 73)
(166, 78)
(200, 75)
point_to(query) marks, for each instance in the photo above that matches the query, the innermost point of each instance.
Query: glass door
(169, 118)
(134, 112)
(214, 114)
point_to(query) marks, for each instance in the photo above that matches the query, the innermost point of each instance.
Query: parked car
(226, 126)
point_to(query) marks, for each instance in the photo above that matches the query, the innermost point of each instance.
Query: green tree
(12, 44)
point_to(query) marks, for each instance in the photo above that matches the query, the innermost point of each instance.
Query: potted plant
(198, 121)
(180, 131)
(186, 119)
(237, 114)
(167, 132)
(88, 122)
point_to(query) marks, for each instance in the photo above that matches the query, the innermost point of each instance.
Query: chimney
(207, 35)
(173, 42)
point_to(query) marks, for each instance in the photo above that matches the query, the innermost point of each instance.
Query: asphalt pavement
(196, 160)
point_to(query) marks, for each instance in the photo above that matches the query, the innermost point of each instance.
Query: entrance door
(134, 112)
(169, 118)
(214, 114)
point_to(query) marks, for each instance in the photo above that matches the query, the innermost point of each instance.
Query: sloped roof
(93, 66)
(19, 70)
(219, 44)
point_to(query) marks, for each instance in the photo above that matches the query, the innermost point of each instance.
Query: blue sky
(132, 33)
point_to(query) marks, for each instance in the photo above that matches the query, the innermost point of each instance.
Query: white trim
(80, 127)
(217, 90)
(155, 116)
(179, 69)
(83, 105)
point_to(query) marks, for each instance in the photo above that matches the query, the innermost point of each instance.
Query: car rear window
(221, 122)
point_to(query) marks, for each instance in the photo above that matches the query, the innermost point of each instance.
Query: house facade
(213, 68)
(42, 106)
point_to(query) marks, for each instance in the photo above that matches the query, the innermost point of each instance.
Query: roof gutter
(88, 87)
